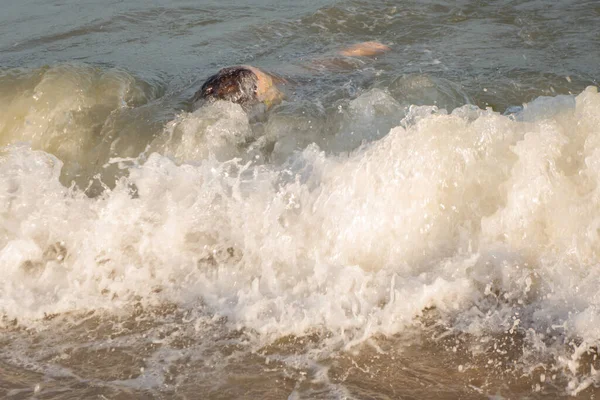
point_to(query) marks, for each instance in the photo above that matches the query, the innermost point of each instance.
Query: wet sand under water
(186, 358)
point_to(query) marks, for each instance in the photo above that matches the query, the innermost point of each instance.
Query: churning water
(423, 225)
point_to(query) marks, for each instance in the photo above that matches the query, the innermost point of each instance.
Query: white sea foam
(448, 210)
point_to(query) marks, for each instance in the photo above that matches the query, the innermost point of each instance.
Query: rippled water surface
(420, 225)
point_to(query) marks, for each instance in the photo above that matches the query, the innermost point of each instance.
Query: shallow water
(420, 225)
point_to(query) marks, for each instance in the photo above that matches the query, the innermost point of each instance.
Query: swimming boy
(247, 85)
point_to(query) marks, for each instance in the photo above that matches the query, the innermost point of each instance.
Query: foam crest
(216, 130)
(472, 213)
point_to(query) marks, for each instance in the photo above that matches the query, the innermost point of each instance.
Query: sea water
(424, 224)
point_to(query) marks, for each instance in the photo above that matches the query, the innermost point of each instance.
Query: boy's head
(236, 84)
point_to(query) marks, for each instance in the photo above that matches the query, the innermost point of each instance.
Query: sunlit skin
(266, 91)
(365, 49)
(266, 84)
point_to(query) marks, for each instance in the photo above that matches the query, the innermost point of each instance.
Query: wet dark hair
(235, 84)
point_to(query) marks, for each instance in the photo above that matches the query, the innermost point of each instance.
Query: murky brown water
(108, 357)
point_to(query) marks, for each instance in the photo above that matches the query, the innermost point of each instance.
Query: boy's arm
(268, 93)
(365, 49)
